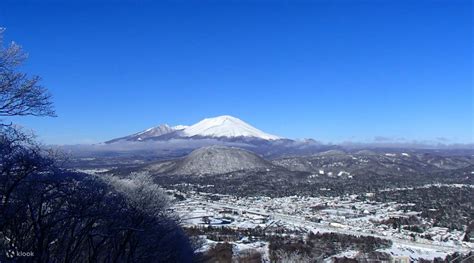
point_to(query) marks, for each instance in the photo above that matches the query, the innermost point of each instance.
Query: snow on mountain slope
(155, 131)
(225, 126)
(148, 133)
(180, 127)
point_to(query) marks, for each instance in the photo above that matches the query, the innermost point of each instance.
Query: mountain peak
(224, 118)
(226, 126)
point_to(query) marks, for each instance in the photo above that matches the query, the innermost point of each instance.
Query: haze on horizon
(363, 71)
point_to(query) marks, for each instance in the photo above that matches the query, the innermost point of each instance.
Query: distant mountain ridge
(222, 160)
(166, 141)
(222, 127)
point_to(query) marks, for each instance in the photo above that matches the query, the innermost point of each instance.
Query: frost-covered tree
(20, 94)
(141, 192)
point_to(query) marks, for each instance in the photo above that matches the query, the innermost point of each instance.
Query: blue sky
(329, 70)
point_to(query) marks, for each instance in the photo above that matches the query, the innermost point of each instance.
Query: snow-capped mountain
(226, 126)
(221, 127)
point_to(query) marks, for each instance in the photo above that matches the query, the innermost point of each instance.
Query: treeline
(284, 247)
(323, 245)
(279, 183)
(49, 214)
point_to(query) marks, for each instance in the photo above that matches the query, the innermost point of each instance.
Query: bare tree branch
(20, 94)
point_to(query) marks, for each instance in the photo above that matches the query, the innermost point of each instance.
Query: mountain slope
(148, 133)
(363, 163)
(153, 132)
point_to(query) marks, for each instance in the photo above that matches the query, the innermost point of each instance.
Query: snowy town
(343, 215)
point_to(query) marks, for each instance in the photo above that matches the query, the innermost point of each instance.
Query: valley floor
(348, 215)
